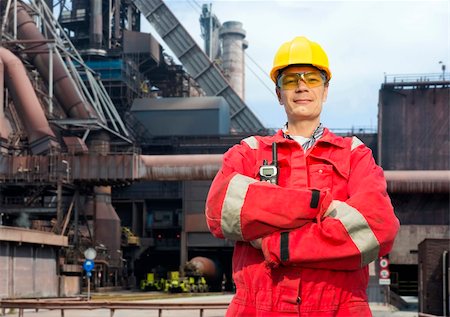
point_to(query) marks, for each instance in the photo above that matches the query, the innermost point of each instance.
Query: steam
(23, 220)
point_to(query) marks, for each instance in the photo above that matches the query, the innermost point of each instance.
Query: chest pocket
(321, 176)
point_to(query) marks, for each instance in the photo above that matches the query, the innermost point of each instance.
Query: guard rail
(112, 306)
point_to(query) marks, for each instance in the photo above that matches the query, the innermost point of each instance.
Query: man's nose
(301, 86)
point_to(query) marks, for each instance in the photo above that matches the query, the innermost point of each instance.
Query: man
(307, 226)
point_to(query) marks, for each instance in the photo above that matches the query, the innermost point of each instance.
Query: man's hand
(256, 243)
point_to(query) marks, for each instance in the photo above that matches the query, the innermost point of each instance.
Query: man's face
(302, 102)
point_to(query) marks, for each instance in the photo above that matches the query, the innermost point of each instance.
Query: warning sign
(384, 263)
(384, 273)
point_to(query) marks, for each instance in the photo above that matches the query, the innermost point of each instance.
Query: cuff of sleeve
(325, 201)
(271, 249)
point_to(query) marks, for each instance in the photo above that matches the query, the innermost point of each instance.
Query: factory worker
(308, 210)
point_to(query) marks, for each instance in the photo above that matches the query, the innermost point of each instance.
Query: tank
(202, 266)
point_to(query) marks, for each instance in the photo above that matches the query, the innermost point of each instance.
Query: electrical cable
(190, 3)
(258, 77)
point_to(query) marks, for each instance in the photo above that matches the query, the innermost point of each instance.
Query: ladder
(197, 63)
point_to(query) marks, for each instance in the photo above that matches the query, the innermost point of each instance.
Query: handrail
(63, 305)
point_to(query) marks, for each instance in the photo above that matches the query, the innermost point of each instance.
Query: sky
(364, 41)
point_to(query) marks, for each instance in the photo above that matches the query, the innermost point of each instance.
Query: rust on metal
(28, 106)
(132, 167)
(180, 167)
(23, 235)
(64, 87)
(418, 181)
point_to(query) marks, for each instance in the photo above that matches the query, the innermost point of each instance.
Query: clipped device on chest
(269, 172)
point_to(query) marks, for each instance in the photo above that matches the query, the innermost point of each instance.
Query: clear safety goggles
(290, 80)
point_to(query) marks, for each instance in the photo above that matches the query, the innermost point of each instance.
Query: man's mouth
(302, 101)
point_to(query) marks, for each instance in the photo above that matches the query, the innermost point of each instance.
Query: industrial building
(107, 143)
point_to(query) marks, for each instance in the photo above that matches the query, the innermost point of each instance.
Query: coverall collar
(327, 137)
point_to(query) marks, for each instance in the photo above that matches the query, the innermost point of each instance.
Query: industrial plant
(109, 143)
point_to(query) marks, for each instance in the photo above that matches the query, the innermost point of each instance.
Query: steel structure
(197, 63)
(65, 168)
(70, 80)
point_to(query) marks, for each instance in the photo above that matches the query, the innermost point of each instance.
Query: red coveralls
(325, 221)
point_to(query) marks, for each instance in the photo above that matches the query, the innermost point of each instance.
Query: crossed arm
(329, 234)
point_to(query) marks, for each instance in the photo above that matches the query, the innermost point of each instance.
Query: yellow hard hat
(300, 51)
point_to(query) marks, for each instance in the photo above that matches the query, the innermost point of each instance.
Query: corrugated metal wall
(27, 271)
(414, 128)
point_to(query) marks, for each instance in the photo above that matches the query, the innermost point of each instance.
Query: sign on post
(384, 276)
(88, 266)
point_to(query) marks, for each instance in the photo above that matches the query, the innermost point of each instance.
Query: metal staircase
(197, 63)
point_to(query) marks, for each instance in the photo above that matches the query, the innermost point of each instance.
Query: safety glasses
(311, 79)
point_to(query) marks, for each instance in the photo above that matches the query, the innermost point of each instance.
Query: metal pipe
(64, 88)
(15, 21)
(50, 82)
(408, 181)
(180, 167)
(76, 216)
(117, 5)
(110, 23)
(205, 167)
(96, 27)
(3, 132)
(445, 281)
(59, 211)
(27, 104)
(411, 176)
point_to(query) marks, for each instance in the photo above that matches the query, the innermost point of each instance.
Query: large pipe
(96, 27)
(180, 167)
(65, 89)
(3, 132)
(409, 181)
(27, 104)
(117, 28)
(205, 167)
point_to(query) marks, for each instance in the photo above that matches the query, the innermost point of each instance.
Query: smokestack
(233, 59)
(96, 27)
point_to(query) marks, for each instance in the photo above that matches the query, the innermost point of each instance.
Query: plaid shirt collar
(317, 134)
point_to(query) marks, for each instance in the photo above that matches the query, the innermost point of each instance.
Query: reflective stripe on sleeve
(356, 142)
(252, 142)
(232, 205)
(359, 231)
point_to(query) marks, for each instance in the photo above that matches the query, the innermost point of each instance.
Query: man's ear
(277, 91)
(325, 93)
